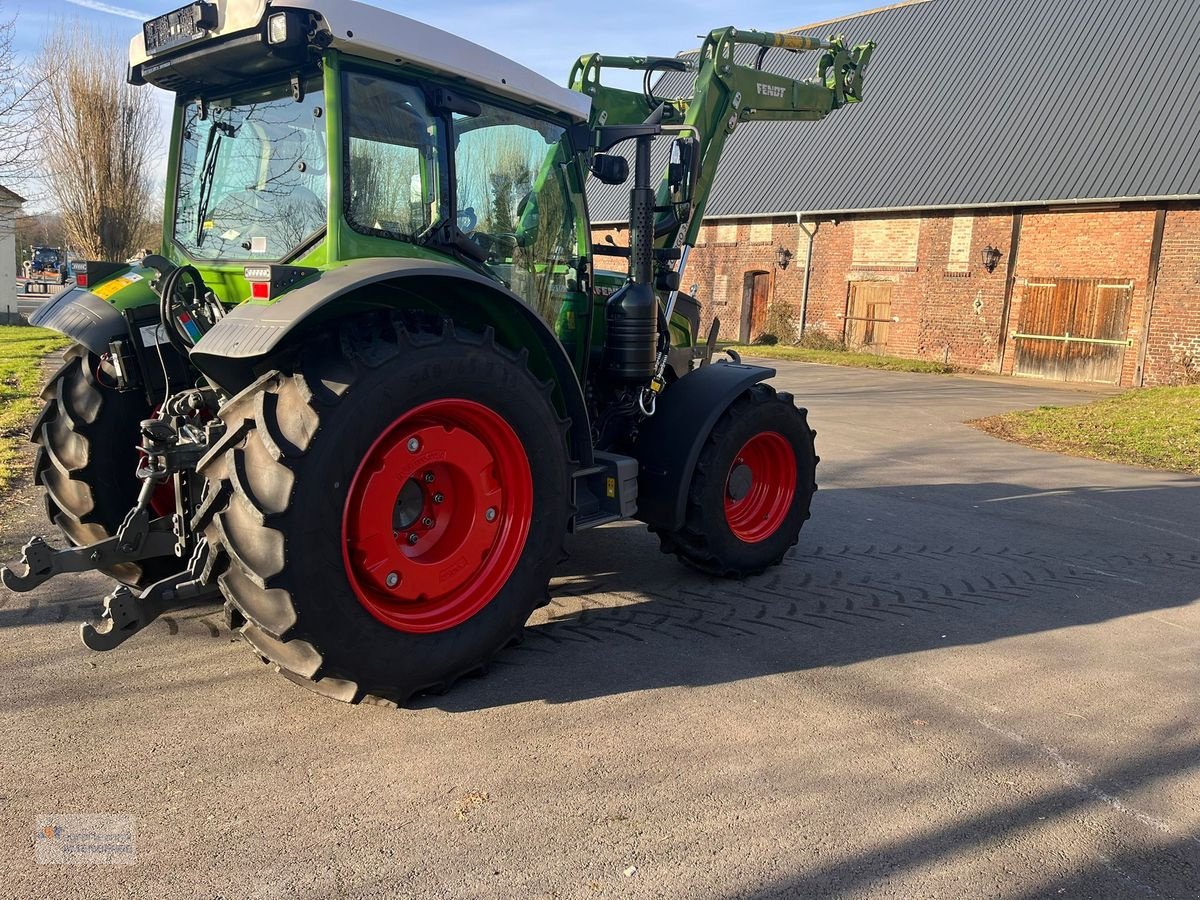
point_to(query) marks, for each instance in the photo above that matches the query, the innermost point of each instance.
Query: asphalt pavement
(976, 676)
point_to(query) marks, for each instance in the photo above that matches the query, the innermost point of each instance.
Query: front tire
(387, 514)
(752, 489)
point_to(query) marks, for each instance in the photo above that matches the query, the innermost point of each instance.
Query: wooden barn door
(869, 316)
(1074, 329)
(756, 295)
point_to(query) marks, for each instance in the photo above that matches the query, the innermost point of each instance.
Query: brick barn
(1019, 193)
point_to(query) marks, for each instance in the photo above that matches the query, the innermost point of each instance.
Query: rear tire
(752, 489)
(86, 464)
(314, 461)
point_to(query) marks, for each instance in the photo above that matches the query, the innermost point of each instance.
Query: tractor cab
(306, 138)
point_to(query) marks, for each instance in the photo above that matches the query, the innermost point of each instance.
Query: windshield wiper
(207, 168)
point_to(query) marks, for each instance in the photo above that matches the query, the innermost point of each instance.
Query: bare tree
(98, 168)
(18, 135)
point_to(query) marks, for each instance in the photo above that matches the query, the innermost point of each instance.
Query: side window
(391, 153)
(514, 200)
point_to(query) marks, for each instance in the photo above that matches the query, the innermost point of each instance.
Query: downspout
(808, 258)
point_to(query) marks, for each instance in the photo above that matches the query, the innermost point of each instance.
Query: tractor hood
(206, 47)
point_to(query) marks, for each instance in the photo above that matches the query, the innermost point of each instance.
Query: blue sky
(533, 32)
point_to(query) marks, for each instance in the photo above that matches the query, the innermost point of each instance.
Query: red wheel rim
(760, 487)
(437, 516)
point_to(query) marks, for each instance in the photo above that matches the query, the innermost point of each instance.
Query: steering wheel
(175, 298)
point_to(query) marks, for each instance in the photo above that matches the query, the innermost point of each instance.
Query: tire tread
(255, 593)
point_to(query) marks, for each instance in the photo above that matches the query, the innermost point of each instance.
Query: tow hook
(145, 540)
(125, 613)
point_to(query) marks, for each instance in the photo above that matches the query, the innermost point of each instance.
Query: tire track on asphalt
(812, 590)
(822, 595)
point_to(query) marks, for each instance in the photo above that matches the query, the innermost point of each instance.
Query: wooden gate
(869, 316)
(1074, 329)
(756, 295)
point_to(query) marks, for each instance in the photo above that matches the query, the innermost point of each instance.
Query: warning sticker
(109, 288)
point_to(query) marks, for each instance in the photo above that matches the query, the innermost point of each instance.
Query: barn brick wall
(1112, 245)
(945, 305)
(1173, 350)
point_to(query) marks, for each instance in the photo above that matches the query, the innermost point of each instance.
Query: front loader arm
(725, 93)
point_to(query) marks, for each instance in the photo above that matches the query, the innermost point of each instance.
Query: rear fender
(669, 444)
(83, 317)
(93, 316)
(252, 337)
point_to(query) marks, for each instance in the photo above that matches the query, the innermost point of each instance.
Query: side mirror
(610, 168)
(683, 170)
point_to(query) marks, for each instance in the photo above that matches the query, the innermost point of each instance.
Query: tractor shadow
(878, 572)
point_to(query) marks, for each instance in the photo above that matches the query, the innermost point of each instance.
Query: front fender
(669, 444)
(243, 343)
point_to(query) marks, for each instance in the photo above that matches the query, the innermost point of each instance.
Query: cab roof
(372, 33)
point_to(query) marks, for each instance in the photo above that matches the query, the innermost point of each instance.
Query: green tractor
(376, 373)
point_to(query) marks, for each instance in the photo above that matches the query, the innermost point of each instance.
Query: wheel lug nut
(429, 478)
(393, 579)
(427, 522)
(413, 537)
(439, 498)
(490, 515)
(414, 444)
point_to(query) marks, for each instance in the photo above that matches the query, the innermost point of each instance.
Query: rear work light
(277, 28)
(268, 282)
(260, 281)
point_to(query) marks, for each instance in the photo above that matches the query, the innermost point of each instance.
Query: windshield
(252, 175)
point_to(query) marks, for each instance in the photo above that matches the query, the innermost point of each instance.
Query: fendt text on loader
(376, 372)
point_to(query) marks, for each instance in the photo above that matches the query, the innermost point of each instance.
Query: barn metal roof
(977, 103)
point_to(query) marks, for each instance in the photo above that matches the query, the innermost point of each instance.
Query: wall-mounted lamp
(783, 256)
(991, 258)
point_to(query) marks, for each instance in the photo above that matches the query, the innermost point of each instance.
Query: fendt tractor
(375, 374)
